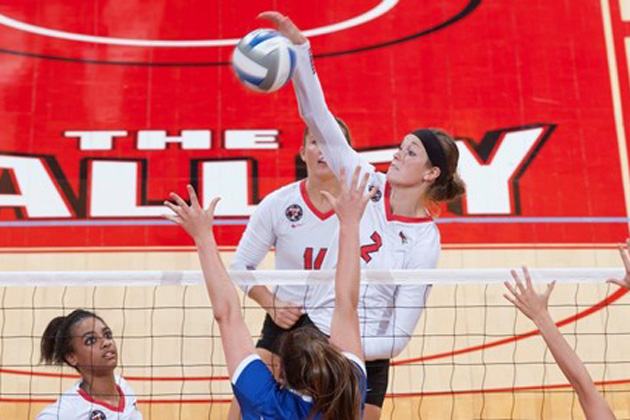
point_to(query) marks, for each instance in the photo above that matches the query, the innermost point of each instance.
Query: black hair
(57, 337)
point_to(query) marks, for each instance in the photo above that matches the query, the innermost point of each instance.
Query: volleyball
(264, 60)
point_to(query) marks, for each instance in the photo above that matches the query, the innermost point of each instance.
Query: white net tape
(300, 277)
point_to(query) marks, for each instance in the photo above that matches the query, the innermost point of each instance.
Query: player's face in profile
(315, 162)
(410, 165)
(93, 347)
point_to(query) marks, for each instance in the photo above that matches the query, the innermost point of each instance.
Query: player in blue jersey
(534, 306)
(321, 378)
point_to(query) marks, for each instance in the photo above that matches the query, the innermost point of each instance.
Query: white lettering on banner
(114, 191)
(189, 139)
(229, 180)
(38, 194)
(96, 140)
(488, 186)
(490, 168)
(251, 139)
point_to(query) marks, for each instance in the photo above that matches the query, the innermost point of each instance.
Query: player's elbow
(314, 115)
(398, 347)
(346, 310)
(308, 117)
(225, 314)
(346, 303)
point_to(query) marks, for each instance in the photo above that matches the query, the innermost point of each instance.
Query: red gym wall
(109, 105)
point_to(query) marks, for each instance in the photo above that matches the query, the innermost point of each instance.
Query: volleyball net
(472, 354)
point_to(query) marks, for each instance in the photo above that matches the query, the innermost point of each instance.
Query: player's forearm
(344, 328)
(262, 296)
(408, 303)
(320, 121)
(225, 303)
(226, 308)
(308, 89)
(564, 355)
(347, 276)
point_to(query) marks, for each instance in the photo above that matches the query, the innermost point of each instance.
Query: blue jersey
(260, 396)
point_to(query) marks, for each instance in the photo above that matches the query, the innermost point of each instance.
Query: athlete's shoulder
(269, 205)
(67, 407)
(125, 387)
(285, 192)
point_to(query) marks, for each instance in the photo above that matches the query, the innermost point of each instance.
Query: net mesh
(472, 355)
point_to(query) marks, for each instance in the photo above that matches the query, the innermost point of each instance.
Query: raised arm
(624, 251)
(534, 306)
(349, 207)
(312, 104)
(226, 307)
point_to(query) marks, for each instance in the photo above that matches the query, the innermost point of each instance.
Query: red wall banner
(107, 106)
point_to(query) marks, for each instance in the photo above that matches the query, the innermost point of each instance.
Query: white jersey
(288, 220)
(75, 404)
(388, 313)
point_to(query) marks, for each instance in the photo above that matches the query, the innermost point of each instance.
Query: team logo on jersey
(97, 415)
(403, 237)
(294, 212)
(378, 194)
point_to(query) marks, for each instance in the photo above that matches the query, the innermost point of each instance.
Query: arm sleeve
(408, 302)
(320, 120)
(258, 237)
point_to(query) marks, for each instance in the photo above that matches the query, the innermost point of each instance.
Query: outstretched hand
(196, 221)
(285, 26)
(526, 299)
(350, 204)
(624, 251)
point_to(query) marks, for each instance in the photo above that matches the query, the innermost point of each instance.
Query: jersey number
(316, 264)
(366, 250)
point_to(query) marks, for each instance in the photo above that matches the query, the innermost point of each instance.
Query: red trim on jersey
(310, 205)
(366, 250)
(119, 409)
(397, 218)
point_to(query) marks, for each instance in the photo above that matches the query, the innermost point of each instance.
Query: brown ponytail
(313, 367)
(449, 186)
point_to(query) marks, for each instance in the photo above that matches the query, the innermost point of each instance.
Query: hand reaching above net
(624, 251)
(350, 204)
(193, 218)
(532, 304)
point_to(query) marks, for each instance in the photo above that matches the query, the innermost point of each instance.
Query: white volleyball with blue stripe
(264, 60)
